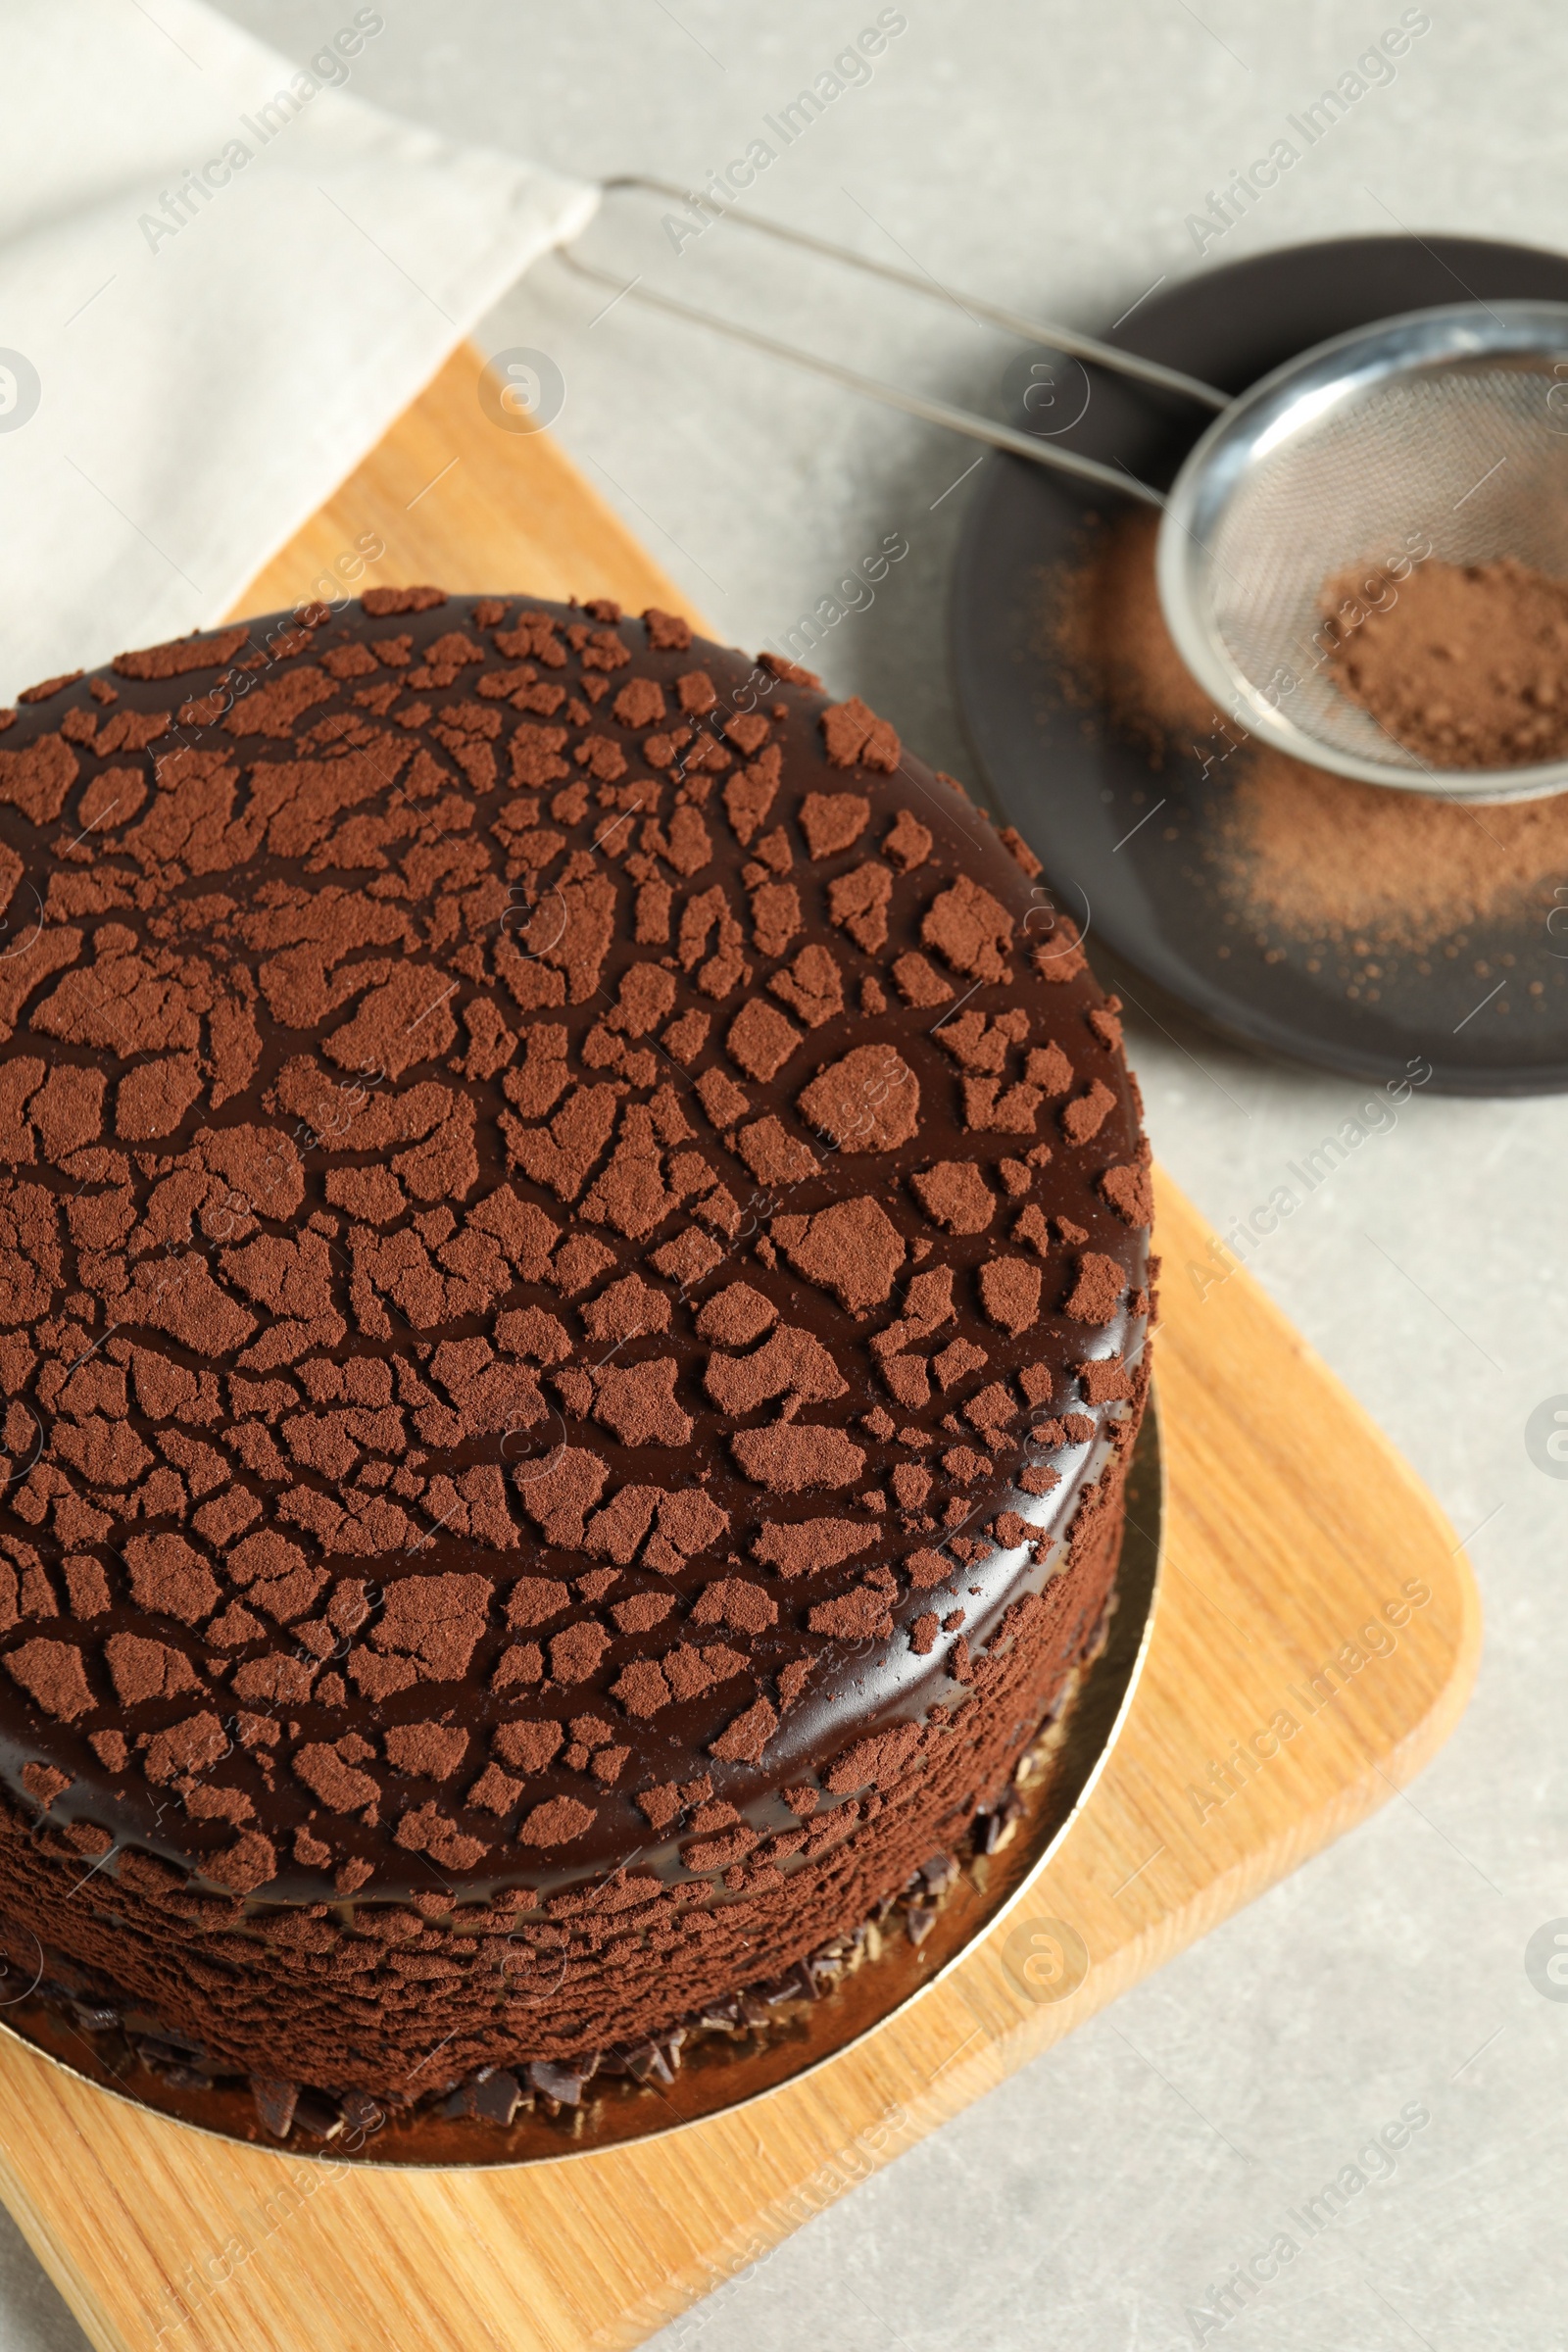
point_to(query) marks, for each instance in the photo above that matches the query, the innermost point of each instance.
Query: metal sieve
(1439, 434)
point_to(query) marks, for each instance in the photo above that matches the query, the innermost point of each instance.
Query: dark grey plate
(1074, 787)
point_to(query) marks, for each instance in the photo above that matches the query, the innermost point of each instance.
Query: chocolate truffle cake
(573, 1284)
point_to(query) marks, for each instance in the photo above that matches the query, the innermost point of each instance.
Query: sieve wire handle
(1033, 331)
(966, 422)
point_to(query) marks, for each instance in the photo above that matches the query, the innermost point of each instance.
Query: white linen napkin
(221, 281)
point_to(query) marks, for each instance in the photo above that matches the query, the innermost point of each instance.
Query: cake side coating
(575, 1290)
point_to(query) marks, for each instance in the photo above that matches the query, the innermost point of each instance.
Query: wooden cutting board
(1291, 1527)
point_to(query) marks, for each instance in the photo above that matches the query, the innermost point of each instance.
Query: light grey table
(1051, 155)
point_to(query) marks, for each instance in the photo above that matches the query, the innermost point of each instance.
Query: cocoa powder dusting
(1464, 665)
(1106, 628)
(1315, 855)
(477, 1162)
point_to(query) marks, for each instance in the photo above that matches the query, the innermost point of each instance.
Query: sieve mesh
(1467, 462)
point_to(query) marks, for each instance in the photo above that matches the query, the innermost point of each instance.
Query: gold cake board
(1291, 1525)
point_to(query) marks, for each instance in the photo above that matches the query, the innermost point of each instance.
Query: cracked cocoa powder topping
(551, 1185)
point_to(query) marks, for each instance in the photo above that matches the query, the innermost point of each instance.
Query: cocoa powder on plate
(1312, 855)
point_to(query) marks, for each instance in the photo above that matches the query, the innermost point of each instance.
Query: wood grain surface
(1291, 1527)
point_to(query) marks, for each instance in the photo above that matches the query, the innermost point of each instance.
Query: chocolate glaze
(569, 854)
(409, 2004)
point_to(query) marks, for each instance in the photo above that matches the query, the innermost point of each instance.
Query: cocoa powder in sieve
(1462, 663)
(1315, 855)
